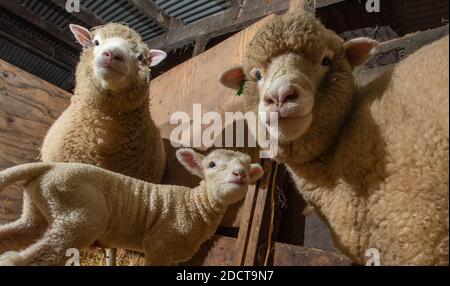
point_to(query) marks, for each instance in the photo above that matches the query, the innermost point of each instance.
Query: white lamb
(83, 204)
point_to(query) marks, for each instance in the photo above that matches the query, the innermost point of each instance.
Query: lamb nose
(239, 173)
(107, 54)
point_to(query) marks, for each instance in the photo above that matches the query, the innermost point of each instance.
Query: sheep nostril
(106, 54)
(291, 96)
(118, 58)
(240, 174)
(268, 100)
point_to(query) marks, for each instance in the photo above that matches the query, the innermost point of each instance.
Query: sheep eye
(258, 75)
(326, 61)
(97, 43)
(211, 165)
(141, 58)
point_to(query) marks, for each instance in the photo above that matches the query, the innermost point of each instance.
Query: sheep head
(297, 68)
(116, 62)
(226, 173)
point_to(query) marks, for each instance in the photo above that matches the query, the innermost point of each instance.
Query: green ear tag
(241, 88)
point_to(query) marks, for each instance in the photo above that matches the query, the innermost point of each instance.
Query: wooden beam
(19, 10)
(35, 45)
(200, 46)
(150, 9)
(293, 255)
(231, 20)
(84, 15)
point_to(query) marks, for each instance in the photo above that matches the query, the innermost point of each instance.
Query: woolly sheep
(83, 204)
(371, 160)
(108, 122)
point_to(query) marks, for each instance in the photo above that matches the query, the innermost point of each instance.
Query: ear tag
(241, 88)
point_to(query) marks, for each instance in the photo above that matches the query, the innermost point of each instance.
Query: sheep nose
(280, 96)
(112, 55)
(240, 173)
(107, 54)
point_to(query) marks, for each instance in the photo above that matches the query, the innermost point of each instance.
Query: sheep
(84, 204)
(108, 122)
(372, 160)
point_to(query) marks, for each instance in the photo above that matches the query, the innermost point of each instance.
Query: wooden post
(200, 45)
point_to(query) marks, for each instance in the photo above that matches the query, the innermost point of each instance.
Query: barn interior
(38, 57)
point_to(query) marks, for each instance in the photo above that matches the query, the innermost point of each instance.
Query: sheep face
(115, 57)
(297, 68)
(226, 173)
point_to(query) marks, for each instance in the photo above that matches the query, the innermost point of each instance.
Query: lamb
(108, 122)
(372, 160)
(83, 204)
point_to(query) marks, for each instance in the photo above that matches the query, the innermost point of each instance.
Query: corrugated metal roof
(34, 64)
(189, 11)
(124, 11)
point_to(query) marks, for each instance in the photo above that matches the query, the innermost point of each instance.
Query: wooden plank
(197, 81)
(292, 255)
(84, 14)
(230, 20)
(28, 107)
(218, 251)
(151, 10)
(22, 12)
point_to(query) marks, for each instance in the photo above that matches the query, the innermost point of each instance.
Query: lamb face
(115, 58)
(226, 173)
(296, 67)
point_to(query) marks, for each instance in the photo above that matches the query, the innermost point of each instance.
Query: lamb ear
(82, 34)
(155, 57)
(233, 77)
(255, 173)
(360, 50)
(191, 160)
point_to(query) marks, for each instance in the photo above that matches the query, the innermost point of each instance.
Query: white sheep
(83, 204)
(371, 160)
(108, 122)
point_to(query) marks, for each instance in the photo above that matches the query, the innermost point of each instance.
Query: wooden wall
(28, 107)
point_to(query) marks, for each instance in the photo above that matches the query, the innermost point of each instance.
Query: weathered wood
(200, 45)
(22, 12)
(248, 210)
(230, 20)
(28, 107)
(197, 81)
(151, 10)
(84, 14)
(218, 251)
(292, 255)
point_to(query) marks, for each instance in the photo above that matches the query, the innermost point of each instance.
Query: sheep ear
(82, 34)
(191, 160)
(233, 77)
(358, 51)
(255, 173)
(155, 57)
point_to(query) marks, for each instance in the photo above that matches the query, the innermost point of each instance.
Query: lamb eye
(96, 43)
(141, 58)
(326, 61)
(211, 165)
(258, 75)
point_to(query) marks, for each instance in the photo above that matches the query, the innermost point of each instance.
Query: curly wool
(374, 162)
